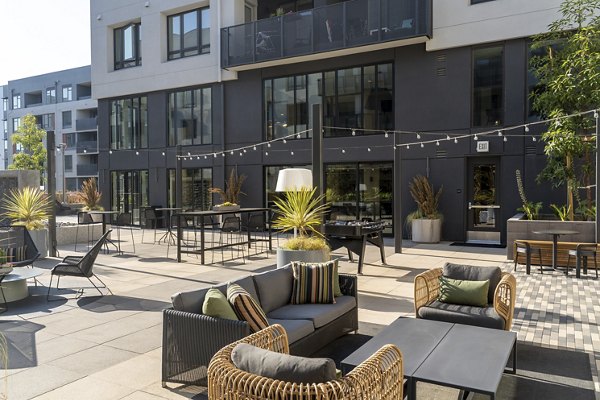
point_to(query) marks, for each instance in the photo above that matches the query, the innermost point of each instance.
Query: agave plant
(89, 195)
(28, 206)
(301, 210)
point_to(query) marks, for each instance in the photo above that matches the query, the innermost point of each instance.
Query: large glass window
(129, 192)
(188, 33)
(51, 95)
(66, 120)
(271, 174)
(45, 121)
(488, 86)
(16, 124)
(128, 46)
(194, 188)
(359, 97)
(67, 93)
(129, 123)
(190, 117)
(16, 101)
(360, 191)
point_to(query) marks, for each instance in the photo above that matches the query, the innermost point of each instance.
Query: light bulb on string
(422, 145)
(448, 137)
(353, 132)
(475, 137)
(110, 152)
(254, 148)
(266, 153)
(368, 149)
(269, 144)
(197, 158)
(231, 152)
(245, 151)
(386, 134)
(526, 128)
(241, 154)
(189, 154)
(505, 139)
(499, 133)
(455, 140)
(163, 153)
(291, 153)
(85, 150)
(437, 142)
(223, 154)
(418, 135)
(596, 114)
(298, 136)
(284, 141)
(215, 155)
(343, 151)
(533, 139)
(137, 153)
(205, 157)
(408, 146)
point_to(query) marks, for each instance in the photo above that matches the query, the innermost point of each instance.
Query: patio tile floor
(62, 349)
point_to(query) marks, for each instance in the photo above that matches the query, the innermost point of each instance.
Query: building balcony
(87, 147)
(360, 25)
(86, 124)
(87, 169)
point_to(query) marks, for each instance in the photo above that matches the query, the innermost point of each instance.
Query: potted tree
(29, 207)
(302, 212)
(230, 196)
(426, 222)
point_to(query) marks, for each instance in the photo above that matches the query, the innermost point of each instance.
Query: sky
(42, 36)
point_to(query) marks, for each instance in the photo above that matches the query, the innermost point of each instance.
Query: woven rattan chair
(427, 290)
(379, 377)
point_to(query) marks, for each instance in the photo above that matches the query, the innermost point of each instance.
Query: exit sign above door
(483, 147)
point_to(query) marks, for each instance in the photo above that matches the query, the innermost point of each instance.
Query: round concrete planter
(226, 208)
(285, 256)
(426, 230)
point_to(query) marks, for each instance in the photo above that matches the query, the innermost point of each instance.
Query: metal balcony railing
(87, 169)
(87, 147)
(339, 26)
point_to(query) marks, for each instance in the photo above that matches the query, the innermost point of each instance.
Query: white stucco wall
(457, 23)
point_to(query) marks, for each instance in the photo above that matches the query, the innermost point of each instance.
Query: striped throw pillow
(246, 308)
(15, 254)
(313, 283)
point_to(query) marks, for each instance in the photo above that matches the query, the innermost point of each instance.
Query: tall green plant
(28, 206)
(302, 210)
(569, 78)
(425, 196)
(31, 140)
(89, 195)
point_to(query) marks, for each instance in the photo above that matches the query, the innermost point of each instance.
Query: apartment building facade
(62, 103)
(202, 78)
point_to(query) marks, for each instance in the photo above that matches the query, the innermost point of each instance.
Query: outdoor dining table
(200, 216)
(555, 234)
(104, 224)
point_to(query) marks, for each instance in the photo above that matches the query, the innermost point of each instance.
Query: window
(45, 121)
(69, 139)
(129, 192)
(68, 163)
(360, 98)
(51, 95)
(16, 124)
(533, 84)
(16, 101)
(271, 174)
(5, 129)
(194, 188)
(66, 119)
(67, 93)
(488, 86)
(129, 123)
(128, 46)
(5, 104)
(188, 33)
(190, 117)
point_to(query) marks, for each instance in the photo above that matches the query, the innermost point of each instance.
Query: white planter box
(66, 234)
(285, 256)
(40, 239)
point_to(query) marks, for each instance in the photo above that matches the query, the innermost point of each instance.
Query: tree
(31, 139)
(569, 83)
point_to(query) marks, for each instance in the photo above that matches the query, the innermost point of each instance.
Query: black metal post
(178, 180)
(51, 182)
(317, 151)
(397, 195)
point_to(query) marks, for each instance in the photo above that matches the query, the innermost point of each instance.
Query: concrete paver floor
(110, 347)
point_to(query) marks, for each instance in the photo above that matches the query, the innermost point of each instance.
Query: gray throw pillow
(282, 367)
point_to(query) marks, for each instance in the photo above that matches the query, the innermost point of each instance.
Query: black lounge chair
(80, 266)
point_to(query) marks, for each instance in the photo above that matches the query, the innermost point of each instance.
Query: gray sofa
(190, 339)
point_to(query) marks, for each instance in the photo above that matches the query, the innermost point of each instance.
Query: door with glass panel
(483, 206)
(129, 191)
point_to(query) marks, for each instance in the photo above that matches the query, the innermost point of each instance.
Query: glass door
(129, 192)
(483, 208)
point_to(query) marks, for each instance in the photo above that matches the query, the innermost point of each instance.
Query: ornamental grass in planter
(426, 222)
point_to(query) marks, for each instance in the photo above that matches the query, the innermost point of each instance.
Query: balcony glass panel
(333, 27)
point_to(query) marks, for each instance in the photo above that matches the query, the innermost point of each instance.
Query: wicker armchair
(427, 289)
(379, 377)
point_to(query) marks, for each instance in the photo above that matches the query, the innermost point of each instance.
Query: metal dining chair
(124, 221)
(84, 218)
(230, 233)
(581, 254)
(527, 250)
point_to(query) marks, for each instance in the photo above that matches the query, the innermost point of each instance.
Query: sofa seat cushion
(296, 329)
(274, 287)
(319, 314)
(485, 317)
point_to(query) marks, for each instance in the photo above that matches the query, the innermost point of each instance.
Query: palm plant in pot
(301, 211)
(426, 221)
(90, 196)
(29, 207)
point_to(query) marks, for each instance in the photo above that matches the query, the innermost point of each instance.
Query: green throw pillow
(468, 293)
(216, 305)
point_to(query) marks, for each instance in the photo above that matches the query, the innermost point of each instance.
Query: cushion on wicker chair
(485, 317)
(468, 293)
(475, 273)
(313, 283)
(284, 367)
(14, 254)
(216, 305)
(246, 308)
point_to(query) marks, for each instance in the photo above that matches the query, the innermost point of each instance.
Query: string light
(254, 148)
(298, 136)
(110, 152)
(447, 137)
(205, 157)
(284, 141)
(85, 150)
(386, 134)
(455, 140)
(499, 133)
(343, 151)
(215, 155)
(526, 128)
(197, 158)
(353, 132)
(437, 142)
(231, 152)
(596, 114)
(369, 149)
(291, 153)
(475, 137)
(505, 139)
(418, 135)
(137, 153)
(533, 139)
(163, 153)
(223, 154)
(189, 154)
(244, 150)
(422, 145)
(408, 146)
(268, 144)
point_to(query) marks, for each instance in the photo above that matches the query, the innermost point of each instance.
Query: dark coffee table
(465, 357)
